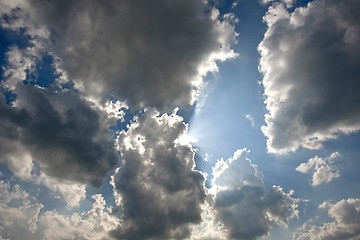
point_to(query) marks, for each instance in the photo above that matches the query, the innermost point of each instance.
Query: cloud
(242, 204)
(159, 193)
(21, 218)
(346, 224)
(56, 129)
(288, 3)
(310, 61)
(60, 131)
(94, 224)
(251, 119)
(322, 169)
(147, 53)
(18, 212)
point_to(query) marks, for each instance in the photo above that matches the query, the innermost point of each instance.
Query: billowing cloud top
(158, 189)
(311, 66)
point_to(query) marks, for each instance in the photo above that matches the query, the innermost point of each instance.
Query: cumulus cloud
(18, 212)
(94, 224)
(310, 61)
(56, 128)
(157, 189)
(60, 131)
(322, 169)
(148, 53)
(242, 204)
(21, 218)
(345, 224)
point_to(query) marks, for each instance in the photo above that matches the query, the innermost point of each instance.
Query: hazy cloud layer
(246, 209)
(148, 53)
(158, 190)
(311, 66)
(346, 224)
(322, 169)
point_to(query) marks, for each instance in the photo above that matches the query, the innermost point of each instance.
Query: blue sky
(179, 119)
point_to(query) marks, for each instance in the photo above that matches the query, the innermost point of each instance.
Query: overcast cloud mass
(98, 101)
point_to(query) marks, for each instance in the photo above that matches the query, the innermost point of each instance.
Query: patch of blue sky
(220, 125)
(45, 74)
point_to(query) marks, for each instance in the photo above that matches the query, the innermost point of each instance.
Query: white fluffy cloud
(242, 204)
(346, 224)
(159, 192)
(311, 66)
(322, 169)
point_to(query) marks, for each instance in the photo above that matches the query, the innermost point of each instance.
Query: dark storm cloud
(150, 53)
(160, 192)
(60, 131)
(311, 66)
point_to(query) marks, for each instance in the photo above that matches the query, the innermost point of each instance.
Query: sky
(180, 119)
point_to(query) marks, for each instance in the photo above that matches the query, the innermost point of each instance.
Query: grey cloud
(246, 209)
(159, 192)
(346, 224)
(148, 53)
(310, 61)
(60, 131)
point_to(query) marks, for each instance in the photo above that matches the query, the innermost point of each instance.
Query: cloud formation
(18, 212)
(158, 191)
(322, 169)
(151, 55)
(21, 218)
(311, 66)
(147, 53)
(58, 130)
(242, 204)
(346, 224)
